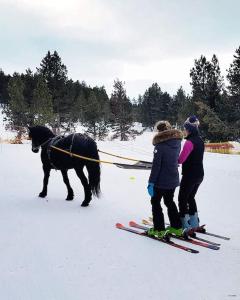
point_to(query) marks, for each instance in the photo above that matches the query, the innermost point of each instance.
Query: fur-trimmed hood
(167, 135)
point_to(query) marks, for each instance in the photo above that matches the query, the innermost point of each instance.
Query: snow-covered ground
(55, 249)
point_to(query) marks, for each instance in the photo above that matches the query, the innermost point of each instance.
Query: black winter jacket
(164, 172)
(192, 168)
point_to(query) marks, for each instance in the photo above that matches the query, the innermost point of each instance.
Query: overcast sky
(137, 41)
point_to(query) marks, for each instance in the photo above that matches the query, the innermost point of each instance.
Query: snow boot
(185, 222)
(187, 229)
(160, 234)
(194, 220)
(176, 231)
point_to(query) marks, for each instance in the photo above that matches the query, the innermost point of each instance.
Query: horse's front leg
(70, 195)
(46, 171)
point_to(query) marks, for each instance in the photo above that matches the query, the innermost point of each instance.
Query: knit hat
(191, 124)
(162, 126)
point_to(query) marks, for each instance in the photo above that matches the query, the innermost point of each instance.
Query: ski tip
(192, 250)
(145, 222)
(132, 223)
(119, 225)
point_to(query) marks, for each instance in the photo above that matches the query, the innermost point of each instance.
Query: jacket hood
(167, 135)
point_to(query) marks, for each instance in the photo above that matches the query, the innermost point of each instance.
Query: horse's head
(39, 135)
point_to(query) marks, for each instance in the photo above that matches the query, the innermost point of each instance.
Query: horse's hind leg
(70, 195)
(87, 190)
(46, 171)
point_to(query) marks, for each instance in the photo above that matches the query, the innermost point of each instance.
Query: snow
(56, 249)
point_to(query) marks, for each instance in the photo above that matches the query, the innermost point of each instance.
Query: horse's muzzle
(35, 149)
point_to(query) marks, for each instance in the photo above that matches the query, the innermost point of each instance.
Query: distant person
(164, 179)
(191, 158)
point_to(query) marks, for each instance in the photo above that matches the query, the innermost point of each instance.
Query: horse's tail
(94, 171)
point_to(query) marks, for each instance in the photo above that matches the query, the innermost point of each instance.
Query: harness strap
(44, 143)
(51, 144)
(70, 149)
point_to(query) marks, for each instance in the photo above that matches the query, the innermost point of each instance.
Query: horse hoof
(69, 198)
(84, 204)
(42, 195)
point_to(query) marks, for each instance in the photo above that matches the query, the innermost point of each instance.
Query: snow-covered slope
(55, 249)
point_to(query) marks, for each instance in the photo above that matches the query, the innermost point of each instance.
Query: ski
(189, 240)
(145, 222)
(199, 230)
(170, 243)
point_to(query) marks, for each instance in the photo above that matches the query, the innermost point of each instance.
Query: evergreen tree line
(48, 97)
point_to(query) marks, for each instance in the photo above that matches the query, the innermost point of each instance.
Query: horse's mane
(41, 131)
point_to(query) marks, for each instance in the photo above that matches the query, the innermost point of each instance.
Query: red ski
(189, 240)
(148, 223)
(170, 243)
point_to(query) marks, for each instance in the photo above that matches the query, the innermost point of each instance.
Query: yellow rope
(119, 156)
(83, 157)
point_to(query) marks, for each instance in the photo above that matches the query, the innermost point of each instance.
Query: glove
(150, 189)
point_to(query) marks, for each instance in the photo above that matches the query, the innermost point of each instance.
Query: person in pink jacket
(191, 158)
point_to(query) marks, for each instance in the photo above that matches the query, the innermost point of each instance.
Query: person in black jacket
(191, 158)
(164, 179)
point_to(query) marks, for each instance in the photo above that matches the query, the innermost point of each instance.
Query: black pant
(158, 217)
(186, 198)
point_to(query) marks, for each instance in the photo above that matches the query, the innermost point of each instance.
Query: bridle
(36, 148)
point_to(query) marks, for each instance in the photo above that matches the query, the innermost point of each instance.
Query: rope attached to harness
(80, 156)
(141, 165)
(123, 157)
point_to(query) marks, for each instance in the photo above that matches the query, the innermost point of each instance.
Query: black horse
(76, 143)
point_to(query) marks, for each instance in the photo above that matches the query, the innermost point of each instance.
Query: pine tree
(149, 106)
(77, 109)
(182, 106)
(215, 83)
(53, 70)
(103, 101)
(30, 80)
(55, 74)
(136, 113)
(4, 80)
(207, 82)
(121, 110)
(165, 107)
(17, 110)
(92, 111)
(103, 123)
(233, 77)
(212, 127)
(155, 106)
(42, 107)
